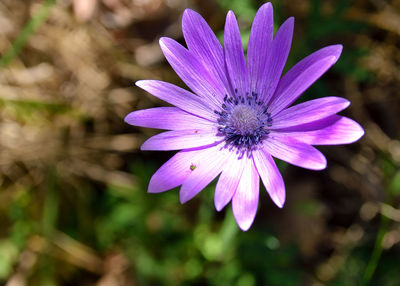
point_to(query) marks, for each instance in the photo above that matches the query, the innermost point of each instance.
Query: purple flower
(239, 115)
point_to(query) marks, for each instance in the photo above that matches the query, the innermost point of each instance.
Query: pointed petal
(303, 75)
(260, 44)
(234, 56)
(174, 172)
(309, 111)
(311, 126)
(181, 139)
(277, 59)
(191, 71)
(294, 152)
(203, 173)
(245, 199)
(171, 118)
(270, 176)
(204, 45)
(343, 131)
(179, 97)
(228, 182)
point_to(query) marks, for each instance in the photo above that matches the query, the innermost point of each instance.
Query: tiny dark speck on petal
(192, 167)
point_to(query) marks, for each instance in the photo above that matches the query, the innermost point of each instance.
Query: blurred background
(73, 203)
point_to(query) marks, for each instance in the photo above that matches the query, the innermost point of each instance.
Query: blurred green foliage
(170, 248)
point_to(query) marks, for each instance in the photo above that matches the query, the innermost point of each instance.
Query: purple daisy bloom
(239, 115)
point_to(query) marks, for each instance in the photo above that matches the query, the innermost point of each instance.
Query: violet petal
(277, 59)
(309, 111)
(294, 152)
(234, 56)
(174, 172)
(259, 47)
(170, 118)
(181, 139)
(204, 45)
(228, 182)
(179, 97)
(245, 199)
(191, 71)
(270, 176)
(302, 75)
(203, 172)
(343, 131)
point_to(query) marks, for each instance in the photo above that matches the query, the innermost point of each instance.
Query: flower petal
(276, 60)
(343, 131)
(309, 111)
(311, 126)
(245, 199)
(270, 176)
(294, 151)
(303, 75)
(228, 182)
(192, 71)
(179, 97)
(181, 139)
(203, 173)
(203, 43)
(260, 42)
(234, 56)
(171, 118)
(175, 171)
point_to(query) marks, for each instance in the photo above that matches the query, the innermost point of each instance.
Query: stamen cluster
(244, 120)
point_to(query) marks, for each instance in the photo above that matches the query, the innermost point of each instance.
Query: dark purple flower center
(243, 120)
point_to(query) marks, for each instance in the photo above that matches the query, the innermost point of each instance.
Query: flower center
(243, 120)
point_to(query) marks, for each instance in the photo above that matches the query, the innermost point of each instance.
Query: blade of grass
(49, 226)
(51, 204)
(30, 28)
(377, 252)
